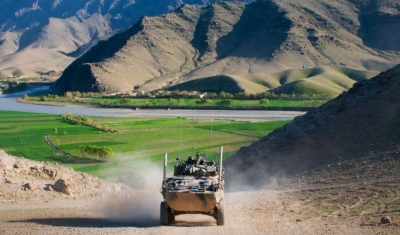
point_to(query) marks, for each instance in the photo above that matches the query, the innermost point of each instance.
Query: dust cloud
(141, 206)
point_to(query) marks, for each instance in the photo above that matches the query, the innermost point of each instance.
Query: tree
(171, 101)
(69, 95)
(55, 131)
(146, 103)
(124, 101)
(77, 94)
(184, 94)
(156, 102)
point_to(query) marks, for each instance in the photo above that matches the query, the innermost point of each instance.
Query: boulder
(386, 220)
(63, 186)
(6, 162)
(8, 181)
(49, 188)
(19, 165)
(27, 186)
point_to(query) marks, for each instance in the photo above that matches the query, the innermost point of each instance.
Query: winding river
(7, 102)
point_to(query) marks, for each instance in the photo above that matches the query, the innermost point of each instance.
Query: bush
(51, 96)
(146, 103)
(264, 101)
(227, 102)
(205, 102)
(69, 95)
(124, 101)
(171, 100)
(95, 152)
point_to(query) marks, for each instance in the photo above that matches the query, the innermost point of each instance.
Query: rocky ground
(334, 199)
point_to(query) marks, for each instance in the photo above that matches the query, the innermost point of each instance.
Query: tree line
(87, 122)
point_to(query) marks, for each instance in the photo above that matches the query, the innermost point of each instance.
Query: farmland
(138, 140)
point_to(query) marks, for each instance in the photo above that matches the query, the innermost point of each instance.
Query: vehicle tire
(221, 214)
(164, 215)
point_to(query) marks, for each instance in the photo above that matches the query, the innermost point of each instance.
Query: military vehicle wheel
(164, 215)
(221, 214)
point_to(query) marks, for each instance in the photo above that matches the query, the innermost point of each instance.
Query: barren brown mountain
(256, 47)
(40, 36)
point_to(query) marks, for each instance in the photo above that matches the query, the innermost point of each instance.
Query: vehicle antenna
(181, 138)
(211, 133)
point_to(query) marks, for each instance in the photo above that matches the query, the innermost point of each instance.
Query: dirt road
(258, 212)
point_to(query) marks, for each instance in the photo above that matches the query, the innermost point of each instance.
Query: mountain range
(38, 36)
(269, 45)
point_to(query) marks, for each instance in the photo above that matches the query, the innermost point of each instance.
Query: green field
(186, 103)
(138, 141)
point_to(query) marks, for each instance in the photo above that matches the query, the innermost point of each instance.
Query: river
(7, 102)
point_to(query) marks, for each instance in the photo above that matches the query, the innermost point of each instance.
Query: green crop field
(138, 141)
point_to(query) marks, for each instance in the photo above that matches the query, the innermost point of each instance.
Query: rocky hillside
(38, 36)
(360, 124)
(23, 181)
(268, 40)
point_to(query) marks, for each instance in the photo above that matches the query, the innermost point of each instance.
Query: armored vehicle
(197, 187)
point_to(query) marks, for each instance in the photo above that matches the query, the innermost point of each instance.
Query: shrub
(171, 100)
(69, 95)
(146, 104)
(124, 101)
(264, 101)
(205, 102)
(50, 96)
(100, 153)
(227, 102)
